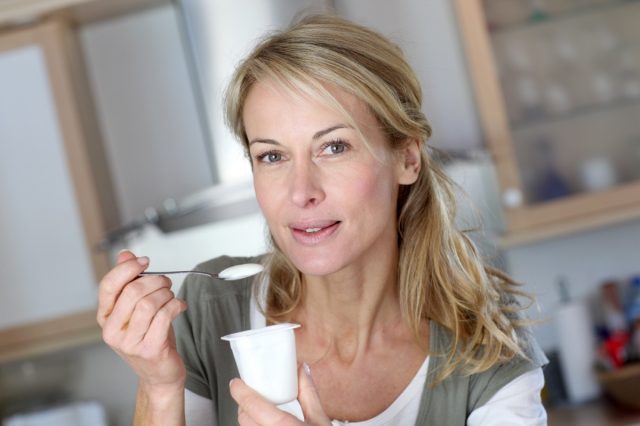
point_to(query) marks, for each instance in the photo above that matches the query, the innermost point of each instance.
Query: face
(329, 197)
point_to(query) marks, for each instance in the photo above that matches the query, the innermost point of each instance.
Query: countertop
(600, 412)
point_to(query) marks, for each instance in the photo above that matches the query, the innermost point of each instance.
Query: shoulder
(518, 402)
(481, 387)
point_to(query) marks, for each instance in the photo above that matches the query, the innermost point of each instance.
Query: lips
(313, 232)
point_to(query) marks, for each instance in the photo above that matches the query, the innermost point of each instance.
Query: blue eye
(269, 157)
(335, 147)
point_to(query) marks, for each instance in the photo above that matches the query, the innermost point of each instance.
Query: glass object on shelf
(597, 174)
(628, 68)
(537, 11)
(551, 184)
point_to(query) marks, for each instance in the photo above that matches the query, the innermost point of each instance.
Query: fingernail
(306, 369)
(231, 381)
(143, 260)
(122, 251)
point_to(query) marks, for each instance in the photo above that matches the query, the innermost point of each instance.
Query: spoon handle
(206, 274)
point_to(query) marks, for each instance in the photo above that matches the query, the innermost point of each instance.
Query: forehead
(272, 103)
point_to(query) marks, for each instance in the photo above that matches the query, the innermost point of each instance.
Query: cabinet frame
(529, 223)
(82, 145)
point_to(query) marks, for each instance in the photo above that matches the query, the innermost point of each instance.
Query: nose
(306, 185)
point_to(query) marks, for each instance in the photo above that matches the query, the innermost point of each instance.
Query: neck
(348, 312)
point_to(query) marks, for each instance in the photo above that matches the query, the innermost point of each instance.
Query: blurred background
(112, 136)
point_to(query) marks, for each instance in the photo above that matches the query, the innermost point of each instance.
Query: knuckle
(109, 336)
(164, 281)
(163, 315)
(146, 306)
(173, 308)
(165, 295)
(133, 292)
(155, 281)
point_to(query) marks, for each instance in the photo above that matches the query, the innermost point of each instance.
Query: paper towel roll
(577, 351)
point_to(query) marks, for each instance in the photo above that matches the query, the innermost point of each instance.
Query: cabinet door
(49, 215)
(558, 92)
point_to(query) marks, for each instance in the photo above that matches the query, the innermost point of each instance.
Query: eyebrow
(316, 135)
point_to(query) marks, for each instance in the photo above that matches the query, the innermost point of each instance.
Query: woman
(401, 321)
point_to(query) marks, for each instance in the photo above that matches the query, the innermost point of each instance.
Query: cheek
(374, 184)
(265, 196)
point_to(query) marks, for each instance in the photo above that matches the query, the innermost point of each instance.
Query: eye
(334, 147)
(269, 157)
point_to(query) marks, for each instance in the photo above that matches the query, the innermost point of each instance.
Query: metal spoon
(231, 273)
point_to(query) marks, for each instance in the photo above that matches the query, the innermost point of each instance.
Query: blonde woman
(401, 322)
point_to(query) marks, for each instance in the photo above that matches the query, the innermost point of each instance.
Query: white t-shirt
(517, 403)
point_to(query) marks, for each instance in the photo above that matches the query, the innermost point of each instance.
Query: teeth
(312, 230)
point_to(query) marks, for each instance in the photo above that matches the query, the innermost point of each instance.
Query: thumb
(309, 399)
(124, 255)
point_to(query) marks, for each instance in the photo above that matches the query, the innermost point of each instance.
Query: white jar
(598, 173)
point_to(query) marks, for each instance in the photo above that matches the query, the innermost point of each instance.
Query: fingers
(309, 399)
(115, 280)
(254, 409)
(144, 312)
(135, 293)
(146, 295)
(157, 333)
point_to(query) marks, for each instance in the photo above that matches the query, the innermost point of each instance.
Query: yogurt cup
(266, 360)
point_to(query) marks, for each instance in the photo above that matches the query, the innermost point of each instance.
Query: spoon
(231, 273)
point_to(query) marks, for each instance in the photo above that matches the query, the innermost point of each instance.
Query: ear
(409, 161)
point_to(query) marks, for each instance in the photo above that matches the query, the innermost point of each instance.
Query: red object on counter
(615, 348)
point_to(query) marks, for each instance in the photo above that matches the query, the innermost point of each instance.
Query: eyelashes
(272, 156)
(333, 147)
(336, 146)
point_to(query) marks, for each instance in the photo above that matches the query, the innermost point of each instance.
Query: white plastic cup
(266, 360)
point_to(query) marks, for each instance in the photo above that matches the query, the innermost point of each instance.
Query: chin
(315, 264)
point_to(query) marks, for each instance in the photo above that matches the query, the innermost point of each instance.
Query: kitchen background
(154, 170)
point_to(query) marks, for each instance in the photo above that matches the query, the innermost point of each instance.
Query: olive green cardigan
(219, 308)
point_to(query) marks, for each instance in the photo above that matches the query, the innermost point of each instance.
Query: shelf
(598, 412)
(50, 335)
(571, 215)
(561, 17)
(575, 113)
(19, 12)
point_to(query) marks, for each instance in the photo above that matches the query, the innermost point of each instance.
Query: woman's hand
(254, 410)
(135, 315)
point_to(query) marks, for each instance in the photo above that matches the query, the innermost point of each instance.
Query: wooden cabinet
(557, 86)
(54, 208)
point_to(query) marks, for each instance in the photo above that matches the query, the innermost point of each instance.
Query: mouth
(315, 232)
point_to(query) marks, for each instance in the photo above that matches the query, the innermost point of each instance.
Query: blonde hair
(441, 276)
